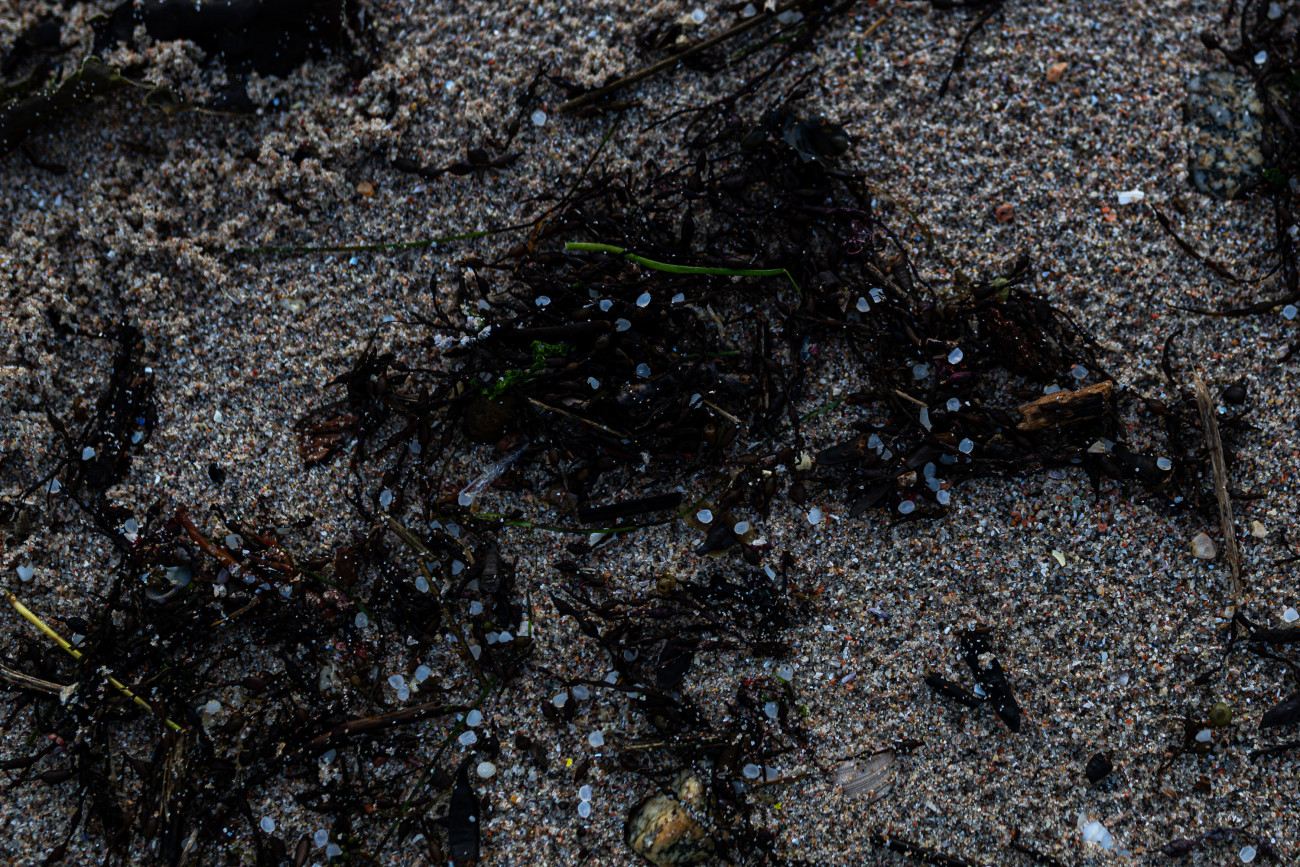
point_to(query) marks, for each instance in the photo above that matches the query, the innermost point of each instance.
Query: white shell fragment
(871, 777)
(1128, 197)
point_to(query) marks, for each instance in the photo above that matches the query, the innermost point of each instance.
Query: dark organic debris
(1098, 768)
(1184, 846)
(271, 37)
(463, 826)
(1286, 712)
(988, 673)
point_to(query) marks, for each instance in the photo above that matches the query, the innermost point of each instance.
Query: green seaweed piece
(26, 106)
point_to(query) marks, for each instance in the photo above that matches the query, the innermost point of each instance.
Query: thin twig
(26, 681)
(659, 66)
(1206, 405)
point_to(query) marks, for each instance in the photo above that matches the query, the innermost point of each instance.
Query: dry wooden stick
(659, 66)
(1211, 424)
(26, 681)
(382, 721)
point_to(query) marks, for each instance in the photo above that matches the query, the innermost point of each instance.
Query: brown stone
(1005, 213)
(1056, 71)
(367, 189)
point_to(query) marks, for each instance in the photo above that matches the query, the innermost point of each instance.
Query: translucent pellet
(464, 499)
(752, 771)
(863, 306)
(361, 620)
(596, 739)
(403, 693)
(611, 678)
(585, 793)
(1290, 311)
(1291, 615)
(924, 417)
(1079, 372)
(921, 371)
(704, 516)
(467, 739)
(543, 300)
(907, 507)
(643, 300)
(1164, 463)
(643, 370)
(1247, 854)
(538, 118)
(560, 698)
(741, 528)
(956, 356)
(333, 850)
(1261, 58)
(605, 305)
(593, 382)
(1204, 736)
(584, 809)
(385, 499)
(815, 517)
(622, 325)
(267, 825)
(943, 497)
(698, 15)
(421, 584)
(457, 567)
(87, 453)
(771, 708)
(785, 672)
(397, 681)
(474, 718)
(953, 404)
(475, 608)
(966, 446)
(581, 693)
(486, 770)
(321, 837)
(679, 297)
(423, 673)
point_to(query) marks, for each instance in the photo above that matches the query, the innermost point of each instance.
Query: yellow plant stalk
(77, 654)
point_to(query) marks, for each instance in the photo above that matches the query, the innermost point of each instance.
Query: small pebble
(366, 189)
(1258, 530)
(1203, 547)
(1056, 71)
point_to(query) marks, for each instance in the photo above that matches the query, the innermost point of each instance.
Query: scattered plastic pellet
(486, 770)
(584, 809)
(815, 517)
(584, 793)
(538, 118)
(560, 698)
(752, 771)
(267, 825)
(956, 356)
(87, 453)
(643, 300)
(474, 718)
(321, 837)
(467, 739)
(596, 739)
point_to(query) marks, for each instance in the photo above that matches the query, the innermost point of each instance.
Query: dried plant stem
(26, 681)
(77, 654)
(1208, 421)
(669, 62)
